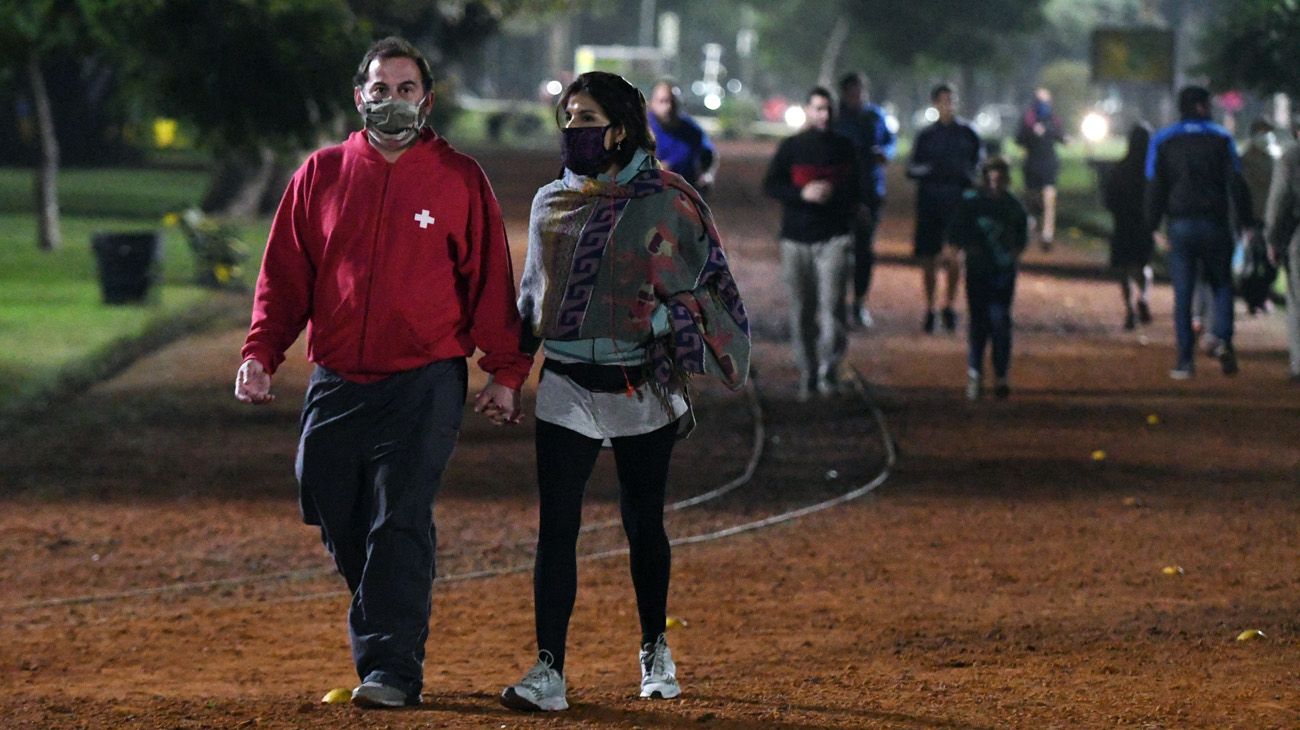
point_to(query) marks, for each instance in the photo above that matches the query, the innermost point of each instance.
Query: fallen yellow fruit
(673, 622)
(1153, 420)
(1172, 570)
(337, 696)
(1250, 634)
(1099, 455)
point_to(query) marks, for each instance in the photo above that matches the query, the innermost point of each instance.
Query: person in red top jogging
(390, 250)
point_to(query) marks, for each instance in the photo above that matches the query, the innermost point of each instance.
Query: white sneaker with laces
(542, 688)
(658, 672)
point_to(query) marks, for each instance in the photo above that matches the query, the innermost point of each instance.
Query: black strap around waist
(598, 378)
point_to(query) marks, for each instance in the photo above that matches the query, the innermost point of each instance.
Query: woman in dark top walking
(1131, 242)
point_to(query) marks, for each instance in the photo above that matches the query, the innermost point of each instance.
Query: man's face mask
(583, 150)
(393, 123)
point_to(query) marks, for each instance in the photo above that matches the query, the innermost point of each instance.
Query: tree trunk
(831, 55)
(47, 168)
(239, 184)
(969, 94)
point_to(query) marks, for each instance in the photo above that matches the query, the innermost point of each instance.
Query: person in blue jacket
(864, 124)
(682, 144)
(1194, 181)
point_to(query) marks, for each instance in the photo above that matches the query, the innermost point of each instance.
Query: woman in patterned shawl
(627, 291)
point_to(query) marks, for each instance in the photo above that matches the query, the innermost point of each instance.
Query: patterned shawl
(602, 257)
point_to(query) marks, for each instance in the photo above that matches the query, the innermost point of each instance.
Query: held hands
(253, 383)
(499, 403)
(817, 191)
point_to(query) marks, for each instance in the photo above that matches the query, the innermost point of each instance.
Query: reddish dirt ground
(1001, 576)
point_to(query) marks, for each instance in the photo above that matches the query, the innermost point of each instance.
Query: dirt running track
(155, 574)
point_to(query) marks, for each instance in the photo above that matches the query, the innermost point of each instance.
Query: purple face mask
(583, 150)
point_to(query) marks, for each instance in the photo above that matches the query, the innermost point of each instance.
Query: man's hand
(499, 403)
(817, 191)
(253, 383)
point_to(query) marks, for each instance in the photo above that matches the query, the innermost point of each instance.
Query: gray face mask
(393, 123)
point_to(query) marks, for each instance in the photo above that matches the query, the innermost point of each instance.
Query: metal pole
(647, 27)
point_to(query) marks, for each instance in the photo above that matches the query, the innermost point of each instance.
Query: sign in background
(1143, 55)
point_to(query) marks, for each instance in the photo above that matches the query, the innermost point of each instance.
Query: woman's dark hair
(624, 106)
(394, 47)
(1139, 139)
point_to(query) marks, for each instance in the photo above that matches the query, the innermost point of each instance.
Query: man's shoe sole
(661, 692)
(370, 697)
(370, 703)
(511, 699)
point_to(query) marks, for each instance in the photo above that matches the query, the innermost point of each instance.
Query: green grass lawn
(55, 332)
(110, 192)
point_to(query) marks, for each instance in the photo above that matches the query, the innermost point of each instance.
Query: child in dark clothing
(991, 226)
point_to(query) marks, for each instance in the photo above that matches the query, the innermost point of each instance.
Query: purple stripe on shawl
(590, 250)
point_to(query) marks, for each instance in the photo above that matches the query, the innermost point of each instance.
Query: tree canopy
(245, 73)
(1254, 45)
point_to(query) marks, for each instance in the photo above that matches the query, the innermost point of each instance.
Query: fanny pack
(598, 378)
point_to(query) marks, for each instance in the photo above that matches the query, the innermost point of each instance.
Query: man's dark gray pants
(370, 462)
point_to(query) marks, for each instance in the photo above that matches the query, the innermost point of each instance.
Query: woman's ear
(618, 134)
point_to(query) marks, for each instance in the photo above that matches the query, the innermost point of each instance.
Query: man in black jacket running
(945, 158)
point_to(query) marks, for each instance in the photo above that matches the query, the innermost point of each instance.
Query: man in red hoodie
(390, 250)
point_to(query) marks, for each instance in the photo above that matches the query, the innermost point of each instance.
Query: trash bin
(128, 264)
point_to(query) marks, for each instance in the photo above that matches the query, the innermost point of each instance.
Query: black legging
(564, 462)
(864, 254)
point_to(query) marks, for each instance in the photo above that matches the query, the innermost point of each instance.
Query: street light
(795, 116)
(1095, 127)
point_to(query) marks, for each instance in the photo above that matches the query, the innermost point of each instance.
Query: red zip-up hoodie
(390, 266)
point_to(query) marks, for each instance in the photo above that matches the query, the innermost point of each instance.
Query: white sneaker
(658, 672)
(378, 695)
(542, 688)
(974, 385)
(864, 318)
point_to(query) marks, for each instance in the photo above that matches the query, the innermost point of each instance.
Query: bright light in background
(1095, 127)
(795, 117)
(931, 114)
(554, 87)
(734, 86)
(712, 102)
(891, 122)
